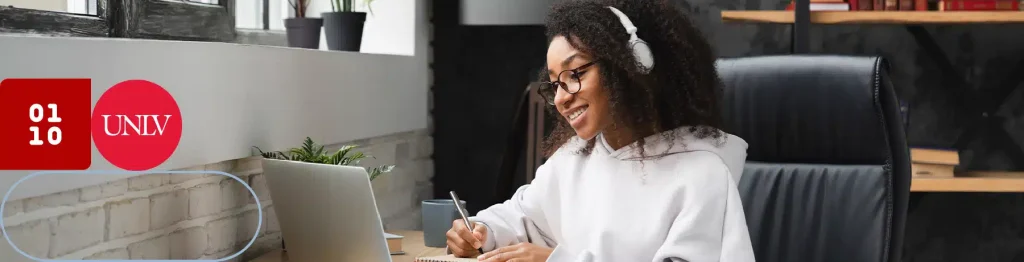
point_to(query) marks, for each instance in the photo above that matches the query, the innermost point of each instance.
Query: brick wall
(182, 216)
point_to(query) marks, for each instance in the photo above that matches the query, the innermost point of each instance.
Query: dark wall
(479, 72)
(941, 226)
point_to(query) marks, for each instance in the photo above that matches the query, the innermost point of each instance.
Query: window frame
(174, 20)
(53, 23)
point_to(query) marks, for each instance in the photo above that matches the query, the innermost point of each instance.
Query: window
(251, 15)
(197, 20)
(55, 17)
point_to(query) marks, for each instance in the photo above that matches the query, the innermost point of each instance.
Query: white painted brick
(224, 166)
(430, 125)
(259, 185)
(117, 253)
(203, 200)
(413, 170)
(248, 226)
(247, 165)
(424, 191)
(148, 181)
(179, 178)
(106, 190)
(233, 194)
(223, 254)
(404, 154)
(154, 248)
(383, 154)
(389, 199)
(75, 231)
(430, 96)
(65, 198)
(127, 218)
(192, 168)
(167, 208)
(13, 207)
(262, 245)
(222, 234)
(428, 171)
(33, 238)
(424, 147)
(272, 224)
(188, 243)
(382, 184)
(408, 219)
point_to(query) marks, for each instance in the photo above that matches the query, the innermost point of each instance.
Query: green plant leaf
(311, 152)
(368, 6)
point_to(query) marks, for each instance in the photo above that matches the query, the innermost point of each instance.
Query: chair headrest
(807, 109)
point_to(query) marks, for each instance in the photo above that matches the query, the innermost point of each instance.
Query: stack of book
(980, 5)
(913, 5)
(929, 162)
(394, 243)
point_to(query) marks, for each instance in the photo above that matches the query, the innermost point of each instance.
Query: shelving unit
(979, 105)
(968, 184)
(877, 17)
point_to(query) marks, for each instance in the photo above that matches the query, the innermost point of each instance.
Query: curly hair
(682, 88)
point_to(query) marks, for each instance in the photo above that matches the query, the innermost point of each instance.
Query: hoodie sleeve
(521, 218)
(710, 226)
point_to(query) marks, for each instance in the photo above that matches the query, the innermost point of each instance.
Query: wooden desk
(412, 244)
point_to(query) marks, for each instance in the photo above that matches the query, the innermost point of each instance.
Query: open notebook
(448, 258)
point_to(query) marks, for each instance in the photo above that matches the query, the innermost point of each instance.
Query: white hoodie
(603, 207)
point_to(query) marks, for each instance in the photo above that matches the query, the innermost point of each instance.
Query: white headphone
(641, 51)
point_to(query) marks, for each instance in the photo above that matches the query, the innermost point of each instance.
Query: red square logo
(45, 124)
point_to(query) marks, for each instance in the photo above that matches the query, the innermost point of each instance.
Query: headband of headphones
(641, 51)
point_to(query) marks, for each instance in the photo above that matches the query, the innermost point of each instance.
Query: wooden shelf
(968, 184)
(878, 17)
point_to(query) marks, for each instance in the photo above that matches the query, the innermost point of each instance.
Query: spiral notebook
(448, 258)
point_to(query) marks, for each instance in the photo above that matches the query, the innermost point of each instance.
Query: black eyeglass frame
(550, 85)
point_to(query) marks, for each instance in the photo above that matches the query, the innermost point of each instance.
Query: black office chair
(828, 168)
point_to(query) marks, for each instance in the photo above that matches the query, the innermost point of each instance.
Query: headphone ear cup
(643, 55)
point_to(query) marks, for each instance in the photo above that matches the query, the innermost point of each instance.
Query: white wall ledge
(233, 96)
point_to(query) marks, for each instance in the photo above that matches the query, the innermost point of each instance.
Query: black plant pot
(344, 30)
(303, 32)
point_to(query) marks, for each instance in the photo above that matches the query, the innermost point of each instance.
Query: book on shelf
(932, 170)
(980, 5)
(823, 6)
(912, 5)
(933, 162)
(940, 156)
(394, 243)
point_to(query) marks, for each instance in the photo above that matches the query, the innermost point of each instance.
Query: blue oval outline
(259, 208)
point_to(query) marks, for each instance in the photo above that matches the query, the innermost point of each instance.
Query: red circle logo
(136, 125)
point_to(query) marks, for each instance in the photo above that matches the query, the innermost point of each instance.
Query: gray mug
(438, 215)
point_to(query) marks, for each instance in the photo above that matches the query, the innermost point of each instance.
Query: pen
(462, 213)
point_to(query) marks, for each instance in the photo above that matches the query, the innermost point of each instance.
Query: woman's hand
(463, 242)
(522, 252)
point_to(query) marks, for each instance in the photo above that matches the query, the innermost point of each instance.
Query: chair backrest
(827, 176)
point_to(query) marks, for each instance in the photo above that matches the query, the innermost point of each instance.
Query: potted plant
(311, 152)
(344, 26)
(303, 32)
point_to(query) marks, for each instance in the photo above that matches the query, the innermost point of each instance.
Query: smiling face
(588, 110)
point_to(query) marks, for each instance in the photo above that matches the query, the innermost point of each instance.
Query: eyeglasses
(571, 83)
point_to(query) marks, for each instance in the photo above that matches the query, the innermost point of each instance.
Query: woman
(638, 169)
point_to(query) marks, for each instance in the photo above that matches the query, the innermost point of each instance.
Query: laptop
(326, 212)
